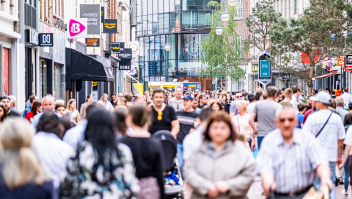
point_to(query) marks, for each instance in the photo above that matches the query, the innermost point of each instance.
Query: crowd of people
(109, 148)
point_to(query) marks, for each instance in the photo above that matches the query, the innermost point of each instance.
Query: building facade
(180, 23)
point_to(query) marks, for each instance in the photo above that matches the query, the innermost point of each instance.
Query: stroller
(173, 179)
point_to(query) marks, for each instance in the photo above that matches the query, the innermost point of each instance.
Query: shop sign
(264, 67)
(92, 13)
(127, 54)
(340, 60)
(93, 42)
(46, 39)
(348, 62)
(151, 68)
(115, 47)
(125, 64)
(255, 68)
(102, 15)
(78, 28)
(110, 26)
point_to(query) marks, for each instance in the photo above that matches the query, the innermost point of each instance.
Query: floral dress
(90, 180)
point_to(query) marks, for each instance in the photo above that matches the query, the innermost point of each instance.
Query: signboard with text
(115, 47)
(264, 66)
(46, 39)
(125, 64)
(78, 28)
(92, 13)
(255, 68)
(127, 54)
(110, 26)
(102, 14)
(92, 42)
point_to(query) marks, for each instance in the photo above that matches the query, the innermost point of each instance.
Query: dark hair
(301, 106)
(59, 106)
(271, 91)
(158, 90)
(35, 106)
(100, 132)
(218, 103)
(49, 122)
(205, 114)
(31, 98)
(251, 97)
(279, 92)
(296, 88)
(66, 123)
(129, 97)
(88, 96)
(345, 89)
(5, 113)
(113, 94)
(140, 114)
(120, 120)
(201, 96)
(4, 97)
(258, 95)
(220, 117)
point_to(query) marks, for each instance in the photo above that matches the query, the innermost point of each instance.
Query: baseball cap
(188, 97)
(323, 97)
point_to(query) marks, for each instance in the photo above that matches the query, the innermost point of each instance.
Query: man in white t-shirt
(294, 100)
(329, 130)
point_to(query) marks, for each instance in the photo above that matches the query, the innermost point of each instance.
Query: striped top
(186, 120)
(293, 166)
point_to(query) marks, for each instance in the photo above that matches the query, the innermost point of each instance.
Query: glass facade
(182, 24)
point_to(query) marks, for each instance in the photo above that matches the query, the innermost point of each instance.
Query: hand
(253, 146)
(341, 165)
(213, 192)
(269, 185)
(339, 160)
(328, 183)
(222, 186)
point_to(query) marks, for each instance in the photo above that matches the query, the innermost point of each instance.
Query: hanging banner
(92, 13)
(78, 28)
(92, 42)
(110, 26)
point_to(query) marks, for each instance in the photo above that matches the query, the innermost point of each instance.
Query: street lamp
(232, 2)
(225, 17)
(218, 30)
(167, 47)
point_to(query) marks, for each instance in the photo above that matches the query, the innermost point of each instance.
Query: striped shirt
(186, 120)
(293, 166)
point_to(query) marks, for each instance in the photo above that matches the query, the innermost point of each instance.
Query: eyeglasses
(289, 119)
(238, 96)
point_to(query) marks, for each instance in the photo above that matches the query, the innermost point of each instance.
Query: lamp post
(225, 17)
(218, 30)
(167, 49)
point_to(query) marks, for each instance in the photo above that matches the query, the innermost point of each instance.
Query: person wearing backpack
(329, 130)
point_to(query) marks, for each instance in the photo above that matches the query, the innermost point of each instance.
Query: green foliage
(222, 54)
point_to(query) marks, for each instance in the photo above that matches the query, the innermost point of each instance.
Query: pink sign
(76, 28)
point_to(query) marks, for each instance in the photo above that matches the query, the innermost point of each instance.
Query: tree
(263, 17)
(315, 34)
(222, 54)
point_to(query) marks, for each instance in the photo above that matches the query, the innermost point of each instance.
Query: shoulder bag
(322, 128)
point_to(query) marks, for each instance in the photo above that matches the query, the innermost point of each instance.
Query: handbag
(314, 194)
(322, 128)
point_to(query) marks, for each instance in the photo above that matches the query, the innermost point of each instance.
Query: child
(302, 107)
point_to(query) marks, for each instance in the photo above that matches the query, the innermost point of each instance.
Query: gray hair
(282, 108)
(12, 99)
(48, 97)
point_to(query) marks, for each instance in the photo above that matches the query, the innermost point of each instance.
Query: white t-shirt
(332, 132)
(192, 142)
(348, 138)
(294, 103)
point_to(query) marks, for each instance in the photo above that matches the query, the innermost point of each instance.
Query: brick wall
(242, 29)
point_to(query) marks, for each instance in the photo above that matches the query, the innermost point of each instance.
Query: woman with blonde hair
(242, 124)
(89, 101)
(71, 107)
(21, 174)
(107, 105)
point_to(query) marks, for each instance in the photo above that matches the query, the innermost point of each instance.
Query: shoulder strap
(323, 126)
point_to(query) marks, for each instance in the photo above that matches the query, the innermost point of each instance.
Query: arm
(251, 122)
(323, 172)
(339, 151)
(82, 110)
(345, 156)
(252, 117)
(175, 128)
(268, 182)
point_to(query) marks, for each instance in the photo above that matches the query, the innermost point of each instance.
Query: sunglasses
(289, 119)
(238, 96)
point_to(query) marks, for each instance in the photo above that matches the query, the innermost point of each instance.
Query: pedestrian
(32, 99)
(216, 106)
(35, 109)
(113, 98)
(140, 99)
(129, 99)
(163, 116)
(290, 158)
(339, 108)
(222, 167)
(195, 105)
(288, 96)
(310, 111)
(147, 153)
(347, 98)
(89, 101)
(47, 105)
(194, 139)
(330, 132)
(278, 95)
(120, 121)
(177, 101)
(21, 174)
(302, 107)
(202, 101)
(71, 107)
(102, 167)
(186, 118)
(107, 104)
(296, 93)
(13, 104)
(309, 103)
(2, 114)
(61, 109)
(53, 153)
(6, 103)
(67, 113)
(227, 99)
(233, 110)
(265, 110)
(243, 125)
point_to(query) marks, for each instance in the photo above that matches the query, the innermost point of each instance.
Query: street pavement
(255, 192)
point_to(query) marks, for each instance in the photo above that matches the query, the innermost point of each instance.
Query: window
(239, 10)
(295, 7)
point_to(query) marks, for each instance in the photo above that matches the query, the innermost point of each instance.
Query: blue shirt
(293, 165)
(26, 111)
(37, 117)
(300, 120)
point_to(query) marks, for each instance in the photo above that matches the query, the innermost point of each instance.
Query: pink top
(244, 127)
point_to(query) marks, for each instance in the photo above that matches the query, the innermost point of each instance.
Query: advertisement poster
(92, 12)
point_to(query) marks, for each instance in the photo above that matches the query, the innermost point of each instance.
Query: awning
(88, 68)
(327, 75)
